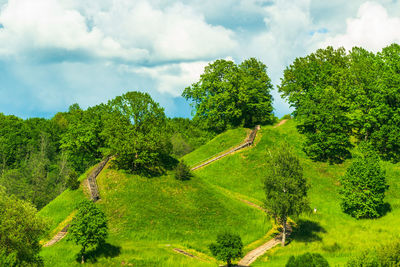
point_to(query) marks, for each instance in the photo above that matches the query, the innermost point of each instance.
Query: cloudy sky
(54, 53)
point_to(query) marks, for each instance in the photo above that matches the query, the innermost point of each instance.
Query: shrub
(182, 171)
(72, 181)
(385, 256)
(307, 260)
(364, 186)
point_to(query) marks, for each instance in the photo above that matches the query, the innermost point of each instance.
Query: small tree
(307, 260)
(285, 187)
(72, 181)
(89, 227)
(182, 171)
(363, 186)
(227, 248)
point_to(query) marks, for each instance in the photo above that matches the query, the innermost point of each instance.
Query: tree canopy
(228, 247)
(339, 95)
(229, 95)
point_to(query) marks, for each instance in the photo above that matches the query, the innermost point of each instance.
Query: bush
(287, 117)
(182, 171)
(364, 186)
(307, 260)
(385, 256)
(72, 181)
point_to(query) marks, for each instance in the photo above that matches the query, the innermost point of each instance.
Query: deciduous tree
(228, 247)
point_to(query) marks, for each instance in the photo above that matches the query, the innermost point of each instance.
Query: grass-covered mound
(149, 217)
(330, 232)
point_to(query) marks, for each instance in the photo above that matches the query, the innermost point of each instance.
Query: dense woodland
(347, 104)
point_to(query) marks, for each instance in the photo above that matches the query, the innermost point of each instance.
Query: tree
(135, 129)
(228, 95)
(20, 232)
(339, 95)
(228, 247)
(307, 260)
(363, 186)
(182, 171)
(88, 228)
(285, 187)
(313, 86)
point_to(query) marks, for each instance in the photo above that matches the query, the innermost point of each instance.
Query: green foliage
(182, 171)
(135, 129)
(228, 247)
(82, 140)
(364, 186)
(284, 185)
(186, 135)
(20, 232)
(228, 95)
(72, 181)
(307, 260)
(89, 227)
(387, 255)
(339, 95)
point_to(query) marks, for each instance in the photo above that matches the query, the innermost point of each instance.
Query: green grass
(149, 217)
(220, 143)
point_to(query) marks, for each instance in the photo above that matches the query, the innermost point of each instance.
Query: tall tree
(88, 228)
(285, 187)
(135, 129)
(228, 95)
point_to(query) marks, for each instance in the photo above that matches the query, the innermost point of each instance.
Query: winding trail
(247, 142)
(94, 195)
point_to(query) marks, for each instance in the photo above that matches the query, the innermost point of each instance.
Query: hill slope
(149, 217)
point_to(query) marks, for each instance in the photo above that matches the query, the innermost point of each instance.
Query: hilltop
(149, 217)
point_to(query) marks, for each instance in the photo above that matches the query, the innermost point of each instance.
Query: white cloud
(174, 78)
(46, 24)
(126, 30)
(372, 29)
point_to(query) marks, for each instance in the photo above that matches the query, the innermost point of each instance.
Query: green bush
(384, 256)
(307, 260)
(364, 186)
(72, 181)
(182, 171)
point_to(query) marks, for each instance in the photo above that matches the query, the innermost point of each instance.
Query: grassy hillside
(330, 232)
(148, 217)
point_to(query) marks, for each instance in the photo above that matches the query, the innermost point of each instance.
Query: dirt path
(94, 193)
(280, 123)
(247, 142)
(255, 253)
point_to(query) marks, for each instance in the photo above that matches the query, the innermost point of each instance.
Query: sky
(54, 53)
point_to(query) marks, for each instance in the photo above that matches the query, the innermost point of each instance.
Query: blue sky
(54, 53)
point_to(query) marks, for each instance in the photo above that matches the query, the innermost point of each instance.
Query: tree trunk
(229, 262)
(83, 259)
(283, 232)
(83, 255)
